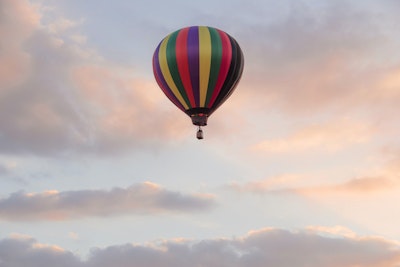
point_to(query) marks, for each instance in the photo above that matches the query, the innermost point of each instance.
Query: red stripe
(224, 68)
(183, 63)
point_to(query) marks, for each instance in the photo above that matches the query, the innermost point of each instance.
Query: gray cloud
(267, 247)
(333, 56)
(143, 198)
(59, 96)
(20, 252)
(36, 113)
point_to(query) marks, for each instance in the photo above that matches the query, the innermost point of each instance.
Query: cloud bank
(335, 57)
(59, 96)
(382, 179)
(143, 198)
(314, 246)
(326, 136)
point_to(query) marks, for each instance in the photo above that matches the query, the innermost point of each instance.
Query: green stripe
(173, 66)
(216, 56)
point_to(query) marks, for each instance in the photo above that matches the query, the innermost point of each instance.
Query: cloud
(308, 63)
(18, 22)
(357, 186)
(146, 198)
(392, 153)
(278, 184)
(284, 185)
(383, 178)
(21, 251)
(119, 106)
(328, 136)
(314, 246)
(59, 96)
(35, 109)
(330, 58)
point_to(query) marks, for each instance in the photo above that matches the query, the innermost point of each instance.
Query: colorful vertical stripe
(198, 68)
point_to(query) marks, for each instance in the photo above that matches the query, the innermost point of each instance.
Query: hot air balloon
(198, 68)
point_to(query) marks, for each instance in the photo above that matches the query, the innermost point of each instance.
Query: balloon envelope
(198, 68)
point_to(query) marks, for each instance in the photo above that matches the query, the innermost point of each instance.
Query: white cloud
(143, 198)
(264, 247)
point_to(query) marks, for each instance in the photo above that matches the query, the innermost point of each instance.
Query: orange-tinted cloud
(59, 96)
(269, 185)
(362, 185)
(308, 63)
(68, 205)
(18, 22)
(373, 180)
(328, 136)
(119, 105)
(356, 186)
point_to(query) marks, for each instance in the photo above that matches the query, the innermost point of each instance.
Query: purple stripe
(193, 58)
(161, 81)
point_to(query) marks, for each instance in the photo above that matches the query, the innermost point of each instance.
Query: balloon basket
(199, 134)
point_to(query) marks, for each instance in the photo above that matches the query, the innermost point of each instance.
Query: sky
(300, 167)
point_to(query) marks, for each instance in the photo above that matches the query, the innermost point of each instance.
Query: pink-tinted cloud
(146, 198)
(320, 65)
(58, 95)
(310, 62)
(269, 185)
(35, 112)
(314, 246)
(327, 136)
(384, 179)
(356, 186)
(373, 180)
(19, 20)
(119, 106)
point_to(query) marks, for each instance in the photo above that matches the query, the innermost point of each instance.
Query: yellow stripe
(162, 57)
(205, 62)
